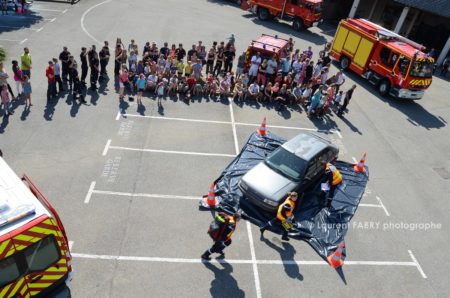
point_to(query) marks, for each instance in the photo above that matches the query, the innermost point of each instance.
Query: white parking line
(277, 126)
(382, 206)
(17, 28)
(64, 11)
(414, 263)
(24, 40)
(89, 193)
(170, 151)
(354, 160)
(84, 16)
(417, 264)
(144, 195)
(44, 9)
(105, 150)
(119, 113)
(178, 119)
(11, 40)
(40, 29)
(52, 20)
(70, 245)
(337, 132)
(249, 228)
(230, 123)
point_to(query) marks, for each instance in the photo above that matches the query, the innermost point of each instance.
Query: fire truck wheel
(263, 14)
(298, 25)
(344, 63)
(384, 87)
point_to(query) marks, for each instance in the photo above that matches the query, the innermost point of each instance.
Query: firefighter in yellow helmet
(333, 180)
(284, 216)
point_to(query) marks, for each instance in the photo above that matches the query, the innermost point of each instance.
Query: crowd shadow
(15, 22)
(224, 284)
(287, 254)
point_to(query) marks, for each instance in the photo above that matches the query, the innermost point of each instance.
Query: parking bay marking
(413, 263)
(228, 122)
(249, 228)
(108, 147)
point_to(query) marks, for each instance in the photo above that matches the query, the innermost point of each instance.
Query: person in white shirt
(340, 79)
(253, 91)
(151, 81)
(255, 62)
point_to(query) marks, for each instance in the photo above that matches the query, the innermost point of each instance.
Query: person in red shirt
(191, 82)
(50, 74)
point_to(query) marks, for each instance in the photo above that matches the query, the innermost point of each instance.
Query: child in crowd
(140, 84)
(6, 102)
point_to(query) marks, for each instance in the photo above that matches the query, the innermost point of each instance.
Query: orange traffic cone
(359, 167)
(262, 130)
(335, 259)
(209, 201)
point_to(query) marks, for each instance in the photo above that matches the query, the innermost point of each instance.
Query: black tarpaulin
(322, 228)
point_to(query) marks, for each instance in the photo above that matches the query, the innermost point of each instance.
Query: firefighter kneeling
(221, 229)
(284, 216)
(333, 180)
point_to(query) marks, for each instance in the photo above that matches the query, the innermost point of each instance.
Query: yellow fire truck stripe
(16, 288)
(3, 245)
(27, 238)
(5, 289)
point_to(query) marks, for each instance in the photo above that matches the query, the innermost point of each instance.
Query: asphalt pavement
(126, 182)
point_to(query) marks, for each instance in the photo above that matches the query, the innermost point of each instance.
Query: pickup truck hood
(266, 182)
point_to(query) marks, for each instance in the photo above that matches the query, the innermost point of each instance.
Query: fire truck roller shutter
(363, 52)
(352, 42)
(340, 38)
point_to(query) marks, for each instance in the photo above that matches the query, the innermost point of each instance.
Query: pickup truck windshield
(286, 163)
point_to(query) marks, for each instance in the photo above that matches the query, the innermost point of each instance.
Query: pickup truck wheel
(384, 87)
(263, 14)
(298, 25)
(345, 63)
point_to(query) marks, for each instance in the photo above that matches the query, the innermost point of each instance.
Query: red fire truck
(302, 13)
(34, 252)
(268, 46)
(396, 65)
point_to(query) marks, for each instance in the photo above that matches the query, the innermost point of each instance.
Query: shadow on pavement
(14, 22)
(416, 114)
(224, 284)
(287, 253)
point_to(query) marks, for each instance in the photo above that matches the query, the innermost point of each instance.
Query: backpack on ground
(218, 225)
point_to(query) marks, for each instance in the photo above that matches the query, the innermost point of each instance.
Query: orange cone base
(335, 263)
(358, 168)
(205, 204)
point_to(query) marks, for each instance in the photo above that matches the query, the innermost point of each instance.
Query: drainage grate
(443, 173)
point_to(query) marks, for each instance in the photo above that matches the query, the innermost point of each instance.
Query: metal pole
(284, 7)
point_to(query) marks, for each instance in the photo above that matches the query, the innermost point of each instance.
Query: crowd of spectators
(291, 78)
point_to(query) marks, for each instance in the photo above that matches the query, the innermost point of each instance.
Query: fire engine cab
(34, 251)
(396, 65)
(302, 13)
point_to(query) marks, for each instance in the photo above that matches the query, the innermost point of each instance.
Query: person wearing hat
(228, 226)
(284, 216)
